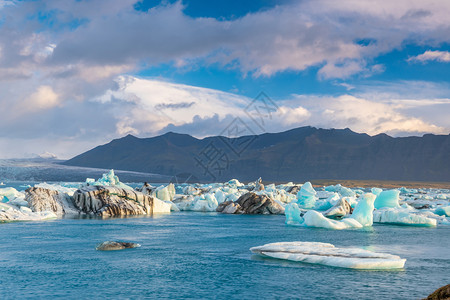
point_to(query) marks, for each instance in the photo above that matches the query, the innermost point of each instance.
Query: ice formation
(9, 213)
(293, 214)
(443, 211)
(387, 199)
(328, 254)
(342, 190)
(108, 179)
(306, 196)
(363, 212)
(361, 216)
(402, 217)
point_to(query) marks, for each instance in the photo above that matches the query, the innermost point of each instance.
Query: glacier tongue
(328, 254)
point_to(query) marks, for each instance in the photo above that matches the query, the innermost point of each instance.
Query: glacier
(329, 255)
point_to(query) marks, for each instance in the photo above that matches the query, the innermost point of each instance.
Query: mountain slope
(299, 154)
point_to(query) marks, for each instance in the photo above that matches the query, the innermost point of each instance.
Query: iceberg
(443, 211)
(306, 196)
(9, 194)
(363, 212)
(10, 213)
(387, 199)
(361, 216)
(108, 179)
(329, 255)
(342, 190)
(402, 217)
(293, 214)
(315, 219)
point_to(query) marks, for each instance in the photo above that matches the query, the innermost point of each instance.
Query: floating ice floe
(328, 254)
(402, 217)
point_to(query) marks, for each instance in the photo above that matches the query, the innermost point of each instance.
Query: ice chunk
(315, 219)
(328, 254)
(10, 213)
(342, 190)
(165, 193)
(402, 217)
(109, 179)
(9, 193)
(363, 212)
(292, 212)
(387, 199)
(306, 196)
(376, 191)
(443, 211)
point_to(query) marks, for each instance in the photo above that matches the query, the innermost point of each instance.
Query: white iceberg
(315, 219)
(342, 190)
(11, 213)
(402, 216)
(328, 254)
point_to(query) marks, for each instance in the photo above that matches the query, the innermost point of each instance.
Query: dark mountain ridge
(298, 154)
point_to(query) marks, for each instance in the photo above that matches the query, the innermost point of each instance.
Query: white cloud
(440, 56)
(150, 106)
(43, 98)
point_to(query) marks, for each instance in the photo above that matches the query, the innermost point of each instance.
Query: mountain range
(300, 154)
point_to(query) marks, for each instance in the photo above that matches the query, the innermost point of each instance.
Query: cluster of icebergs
(333, 207)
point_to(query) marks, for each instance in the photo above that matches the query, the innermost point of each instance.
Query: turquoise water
(205, 255)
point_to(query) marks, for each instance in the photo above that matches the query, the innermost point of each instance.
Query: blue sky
(75, 74)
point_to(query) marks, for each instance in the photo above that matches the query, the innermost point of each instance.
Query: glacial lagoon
(206, 255)
(192, 251)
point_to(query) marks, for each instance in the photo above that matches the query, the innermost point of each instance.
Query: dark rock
(251, 203)
(110, 245)
(442, 293)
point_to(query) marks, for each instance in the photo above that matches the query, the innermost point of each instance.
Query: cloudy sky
(78, 73)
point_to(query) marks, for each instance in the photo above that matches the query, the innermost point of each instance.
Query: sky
(78, 73)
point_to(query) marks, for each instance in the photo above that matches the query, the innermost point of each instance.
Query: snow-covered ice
(328, 254)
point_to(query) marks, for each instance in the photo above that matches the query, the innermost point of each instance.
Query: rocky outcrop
(442, 293)
(110, 245)
(112, 201)
(251, 203)
(42, 199)
(339, 210)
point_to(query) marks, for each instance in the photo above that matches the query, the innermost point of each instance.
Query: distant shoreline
(381, 183)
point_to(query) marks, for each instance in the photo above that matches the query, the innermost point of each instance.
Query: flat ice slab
(327, 254)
